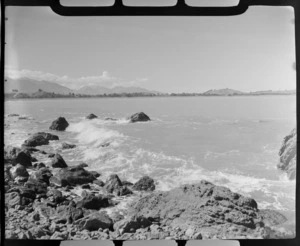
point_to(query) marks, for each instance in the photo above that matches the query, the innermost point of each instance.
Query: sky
(250, 52)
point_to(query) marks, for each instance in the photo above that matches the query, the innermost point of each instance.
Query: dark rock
(105, 145)
(115, 186)
(36, 186)
(85, 186)
(40, 138)
(59, 124)
(39, 165)
(74, 176)
(82, 165)
(95, 173)
(51, 155)
(13, 115)
(33, 159)
(68, 146)
(287, 153)
(137, 117)
(144, 184)
(91, 116)
(58, 162)
(93, 202)
(57, 195)
(16, 155)
(127, 183)
(18, 171)
(199, 205)
(96, 221)
(132, 224)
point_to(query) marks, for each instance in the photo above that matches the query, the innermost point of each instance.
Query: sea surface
(230, 141)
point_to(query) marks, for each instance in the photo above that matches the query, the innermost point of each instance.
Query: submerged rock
(287, 153)
(40, 138)
(199, 205)
(139, 117)
(144, 184)
(67, 146)
(91, 116)
(60, 124)
(16, 155)
(58, 162)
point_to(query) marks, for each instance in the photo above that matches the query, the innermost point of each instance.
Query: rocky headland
(67, 202)
(288, 154)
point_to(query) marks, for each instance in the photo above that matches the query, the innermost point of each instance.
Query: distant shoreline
(60, 96)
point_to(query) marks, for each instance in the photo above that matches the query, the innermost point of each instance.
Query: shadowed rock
(131, 224)
(91, 116)
(58, 162)
(96, 221)
(16, 155)
(67, 146)
(19, 171)
(144, 184)
(138, 117)
(115, 186)
(93, 202)
(40, 138)
(59, 124)
(287, 153)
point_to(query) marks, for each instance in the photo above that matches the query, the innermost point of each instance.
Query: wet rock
(13, 115)
(99, 182)
(96, 174)
(91, 116)
(19, 171)
(131, 224)
(58, 162)
(39, 165)
(127, 183)
(109, 118)
(37, 186)
(72, 176)
(68, 146)
(138, 117)
(40, 138)
(93, 202)
(115, 186)
(144, 184)
(287, 153)
(59, 124)
(16, 155)
(96, 221)
(199, 205)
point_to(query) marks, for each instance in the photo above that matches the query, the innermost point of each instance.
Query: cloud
(104, 79)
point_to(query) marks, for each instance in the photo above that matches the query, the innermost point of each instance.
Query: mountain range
(31, 86)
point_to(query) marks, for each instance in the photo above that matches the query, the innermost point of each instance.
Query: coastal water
(230, 141)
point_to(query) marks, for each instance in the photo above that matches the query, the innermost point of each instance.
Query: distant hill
(223, 92)
(100, 90)
(26, 85)
(271, 92)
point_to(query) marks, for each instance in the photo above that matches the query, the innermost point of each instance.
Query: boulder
(12, 199)
(198, 205)
(287, 154)
(19, 171)
(58, 162)
(39, 165)
(114, 185)
(138, 117)
(131, 224)
(96, 221)
(60, 124)
(93, 202)
(73, 176)
(67, 146)
(272, 217)
(36, 186)
(91, 116)
(40, 138)
(16, 155)
(144, 184)
(42, 175)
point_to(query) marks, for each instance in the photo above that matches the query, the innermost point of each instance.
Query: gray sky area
(253, 51)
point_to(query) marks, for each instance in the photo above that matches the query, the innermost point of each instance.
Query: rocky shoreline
(60, 201)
